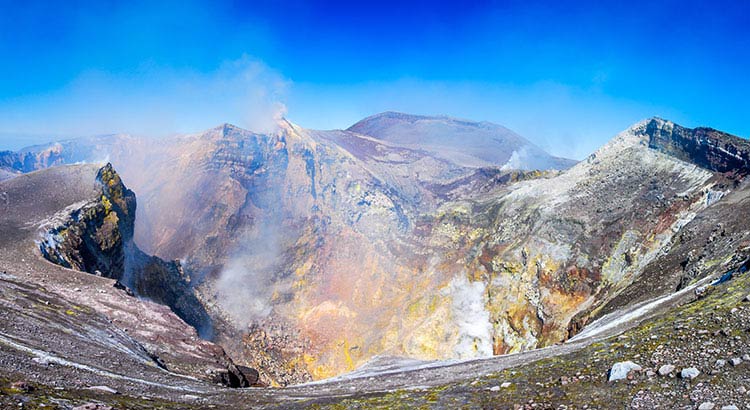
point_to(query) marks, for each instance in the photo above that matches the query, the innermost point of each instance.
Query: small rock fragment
(105, 389)
(40, 360)
(21, 386)
(93, 406)
(689, 373)
(720, 363)
(706, 406)
(666, 369)
(495, 388)
(505, 385)
(735, 361)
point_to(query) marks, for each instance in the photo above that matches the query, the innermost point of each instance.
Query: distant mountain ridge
(464, 142)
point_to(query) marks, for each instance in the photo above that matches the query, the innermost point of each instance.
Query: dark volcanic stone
(251, 375)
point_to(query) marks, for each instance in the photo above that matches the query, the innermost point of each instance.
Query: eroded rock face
(705, 147)
(97, 237)
(92, 238)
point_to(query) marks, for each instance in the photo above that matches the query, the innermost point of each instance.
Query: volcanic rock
(620, 370)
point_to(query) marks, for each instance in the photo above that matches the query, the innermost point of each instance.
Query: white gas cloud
(470, 315)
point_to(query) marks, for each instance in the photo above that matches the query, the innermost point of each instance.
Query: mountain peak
(227, 128)
(402, 116)
(705, 147)
(466, 143)
(394, 117)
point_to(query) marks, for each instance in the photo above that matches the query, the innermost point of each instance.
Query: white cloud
(153, 101)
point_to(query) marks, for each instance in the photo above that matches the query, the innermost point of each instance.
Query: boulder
(251, 375)
(227, 378)
(620, 370)
(689, 373)
(237, 376)
(119, 285)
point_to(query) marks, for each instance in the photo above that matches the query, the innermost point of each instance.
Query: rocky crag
(80, 218)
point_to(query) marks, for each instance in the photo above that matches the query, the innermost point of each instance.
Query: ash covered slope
(716, 238)
(463, 142)
(81, 216)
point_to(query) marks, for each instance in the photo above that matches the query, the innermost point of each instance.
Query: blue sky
(566, 76)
